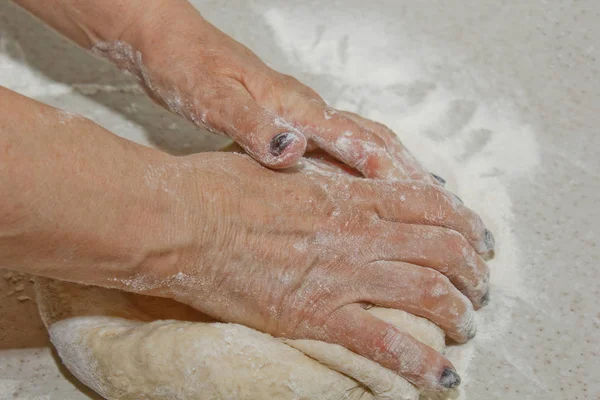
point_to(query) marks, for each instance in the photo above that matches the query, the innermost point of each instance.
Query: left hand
(200, 73)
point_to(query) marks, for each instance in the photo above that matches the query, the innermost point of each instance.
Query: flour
(477, 148)
(27, 81)
(16, 75)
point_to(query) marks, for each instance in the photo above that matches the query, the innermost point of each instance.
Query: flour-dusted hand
(200, 73)
(300, 254)
(195, 70)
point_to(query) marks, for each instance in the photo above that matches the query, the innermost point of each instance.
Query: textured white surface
(538, 58)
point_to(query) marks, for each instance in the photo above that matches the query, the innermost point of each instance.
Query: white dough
(126, 346)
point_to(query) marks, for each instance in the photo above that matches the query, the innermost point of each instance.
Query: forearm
(78, 203)
(88, 22)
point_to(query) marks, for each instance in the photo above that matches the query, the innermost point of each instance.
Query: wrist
(80, 203)
(197, 207)
(163, 32)
(167, 236)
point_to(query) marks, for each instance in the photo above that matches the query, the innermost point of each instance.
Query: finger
(441, 249)
(411, 165)
(369, 336)
(335, 133)
(266, 137)
(438, 178)
(425, 204)
(412, 168)
(419, 291)
(322, 158)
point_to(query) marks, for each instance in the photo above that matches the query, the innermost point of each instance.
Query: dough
(126, 346)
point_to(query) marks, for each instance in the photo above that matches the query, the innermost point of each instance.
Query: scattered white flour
(15, 75)
(477, 147)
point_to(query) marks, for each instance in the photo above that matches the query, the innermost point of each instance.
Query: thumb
(265, 136)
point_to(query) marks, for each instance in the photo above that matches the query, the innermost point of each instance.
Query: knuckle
(306, 308)
(252, 124)
(444, 198)
(313, 304)
(287, 81)
(390, 341)
(456, 243)
(384, 131)
(370, 161)
(361, 189)
(375, 140)
(437, 284)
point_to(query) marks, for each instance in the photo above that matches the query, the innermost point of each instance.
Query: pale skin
(297, 253)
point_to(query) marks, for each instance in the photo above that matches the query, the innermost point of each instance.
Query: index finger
(412, 167)
(345, 139)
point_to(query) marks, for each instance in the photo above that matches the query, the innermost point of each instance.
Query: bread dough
(126, 346)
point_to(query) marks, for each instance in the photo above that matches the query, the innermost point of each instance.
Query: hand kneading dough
(126, 346)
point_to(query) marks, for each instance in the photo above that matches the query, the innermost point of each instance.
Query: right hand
(297, 253)
(300, 253)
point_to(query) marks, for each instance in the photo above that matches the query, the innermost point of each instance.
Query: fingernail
(449, 378)
(280, 142)
(439, 179)
(458, 198)
(489, 240)
(485, 299)
(472, 334)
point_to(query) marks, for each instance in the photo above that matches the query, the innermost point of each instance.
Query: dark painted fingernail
(472, 334)
(439, 179)
(458, 198)
(280, 142)
(489, 240)
(449, 378)
(485, 299)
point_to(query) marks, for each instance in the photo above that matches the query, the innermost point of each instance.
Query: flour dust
(478, 147)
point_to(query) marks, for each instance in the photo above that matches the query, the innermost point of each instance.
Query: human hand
(200, 73)
(300, 253)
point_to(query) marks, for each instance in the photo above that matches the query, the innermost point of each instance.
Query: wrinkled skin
(221, 85)
(299, 254)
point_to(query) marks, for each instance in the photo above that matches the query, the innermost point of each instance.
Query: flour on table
(477, 147)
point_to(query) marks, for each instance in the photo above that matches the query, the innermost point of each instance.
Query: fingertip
(450, 378)
(490, 241)
(481, 300)
(438, 178)
(280, 142)
(468, 327)
(485, 300)
(487, 245)
(284, 150)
